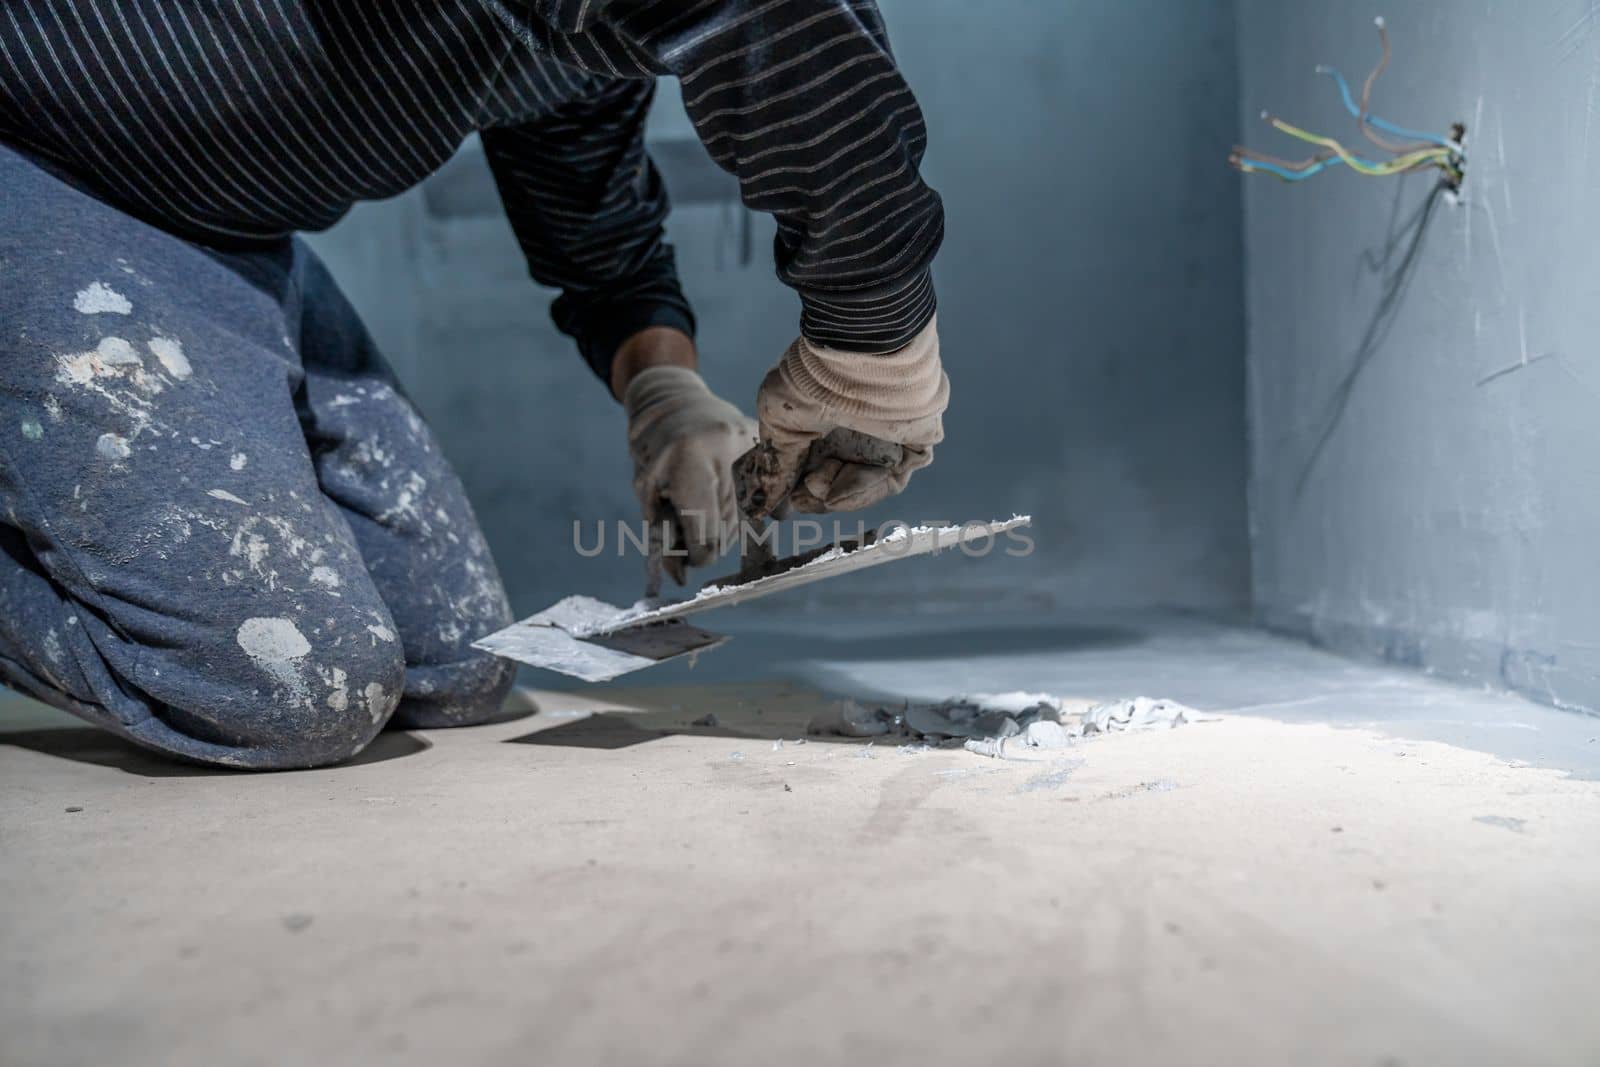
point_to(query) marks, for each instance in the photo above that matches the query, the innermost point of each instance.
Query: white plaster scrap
(98, 298)
(237, 461)
(1138, 713)
(383, 633)
(31, 429)
(52, 408)
(1039, 740)
(169, 351)
(223, 494)
(325, 576)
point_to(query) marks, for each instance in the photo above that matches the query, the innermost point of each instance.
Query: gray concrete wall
(1090, 290)
(1424, 382)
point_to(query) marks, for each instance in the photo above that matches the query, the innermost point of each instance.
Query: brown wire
(1366, 102)
(1241, 152)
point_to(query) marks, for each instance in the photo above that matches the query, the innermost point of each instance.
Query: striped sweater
(228, 122)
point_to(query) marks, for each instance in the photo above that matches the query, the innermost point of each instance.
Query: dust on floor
(626, 886)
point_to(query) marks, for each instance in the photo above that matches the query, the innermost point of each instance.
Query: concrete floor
(1355, 866)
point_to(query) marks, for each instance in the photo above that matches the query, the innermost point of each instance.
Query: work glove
(684, 440)
(897, 398)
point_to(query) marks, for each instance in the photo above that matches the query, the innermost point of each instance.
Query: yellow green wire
(1380, 170)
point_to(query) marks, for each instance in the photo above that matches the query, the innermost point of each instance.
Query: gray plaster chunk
(1010, 726)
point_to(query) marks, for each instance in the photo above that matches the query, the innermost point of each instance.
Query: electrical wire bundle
(1413, 152)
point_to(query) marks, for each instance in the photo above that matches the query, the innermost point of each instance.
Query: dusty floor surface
(623, 887)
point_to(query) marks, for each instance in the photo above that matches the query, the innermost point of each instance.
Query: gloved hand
(898, 397)
(684, 440)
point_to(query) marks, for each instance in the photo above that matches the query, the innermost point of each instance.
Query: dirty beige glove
(684, 440)
(898, 397)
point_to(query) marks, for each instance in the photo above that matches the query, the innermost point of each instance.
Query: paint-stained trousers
(225, 533)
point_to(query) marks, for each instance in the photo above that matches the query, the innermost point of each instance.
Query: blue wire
(1388, 127)
(1290, 175)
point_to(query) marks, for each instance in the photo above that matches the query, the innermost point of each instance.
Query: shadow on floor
(85, 744)
(606, 730)
(660, 712)
(659, 709)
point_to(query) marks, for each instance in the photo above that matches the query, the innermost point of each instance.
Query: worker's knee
(311, 695)
(468, 692)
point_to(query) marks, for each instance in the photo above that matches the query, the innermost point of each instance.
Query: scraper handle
(849, 446)
(853, 446)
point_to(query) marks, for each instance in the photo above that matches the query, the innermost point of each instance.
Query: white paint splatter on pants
(113, 447)
(376, 695)
(170, 352)
(274, 645)
(100, 299)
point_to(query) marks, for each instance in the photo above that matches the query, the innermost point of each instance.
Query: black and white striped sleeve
(802, 101)
(587, 206)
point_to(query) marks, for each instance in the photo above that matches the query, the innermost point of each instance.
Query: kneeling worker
(225, 533)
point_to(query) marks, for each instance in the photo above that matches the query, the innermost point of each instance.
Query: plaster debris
(98, 298)
(976, 716)
(223, 494)
(237, 461)
(1038, 740)
(1013, 726)
(381, 632)
(31, 429)
(1140, 713)
(846, 718)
